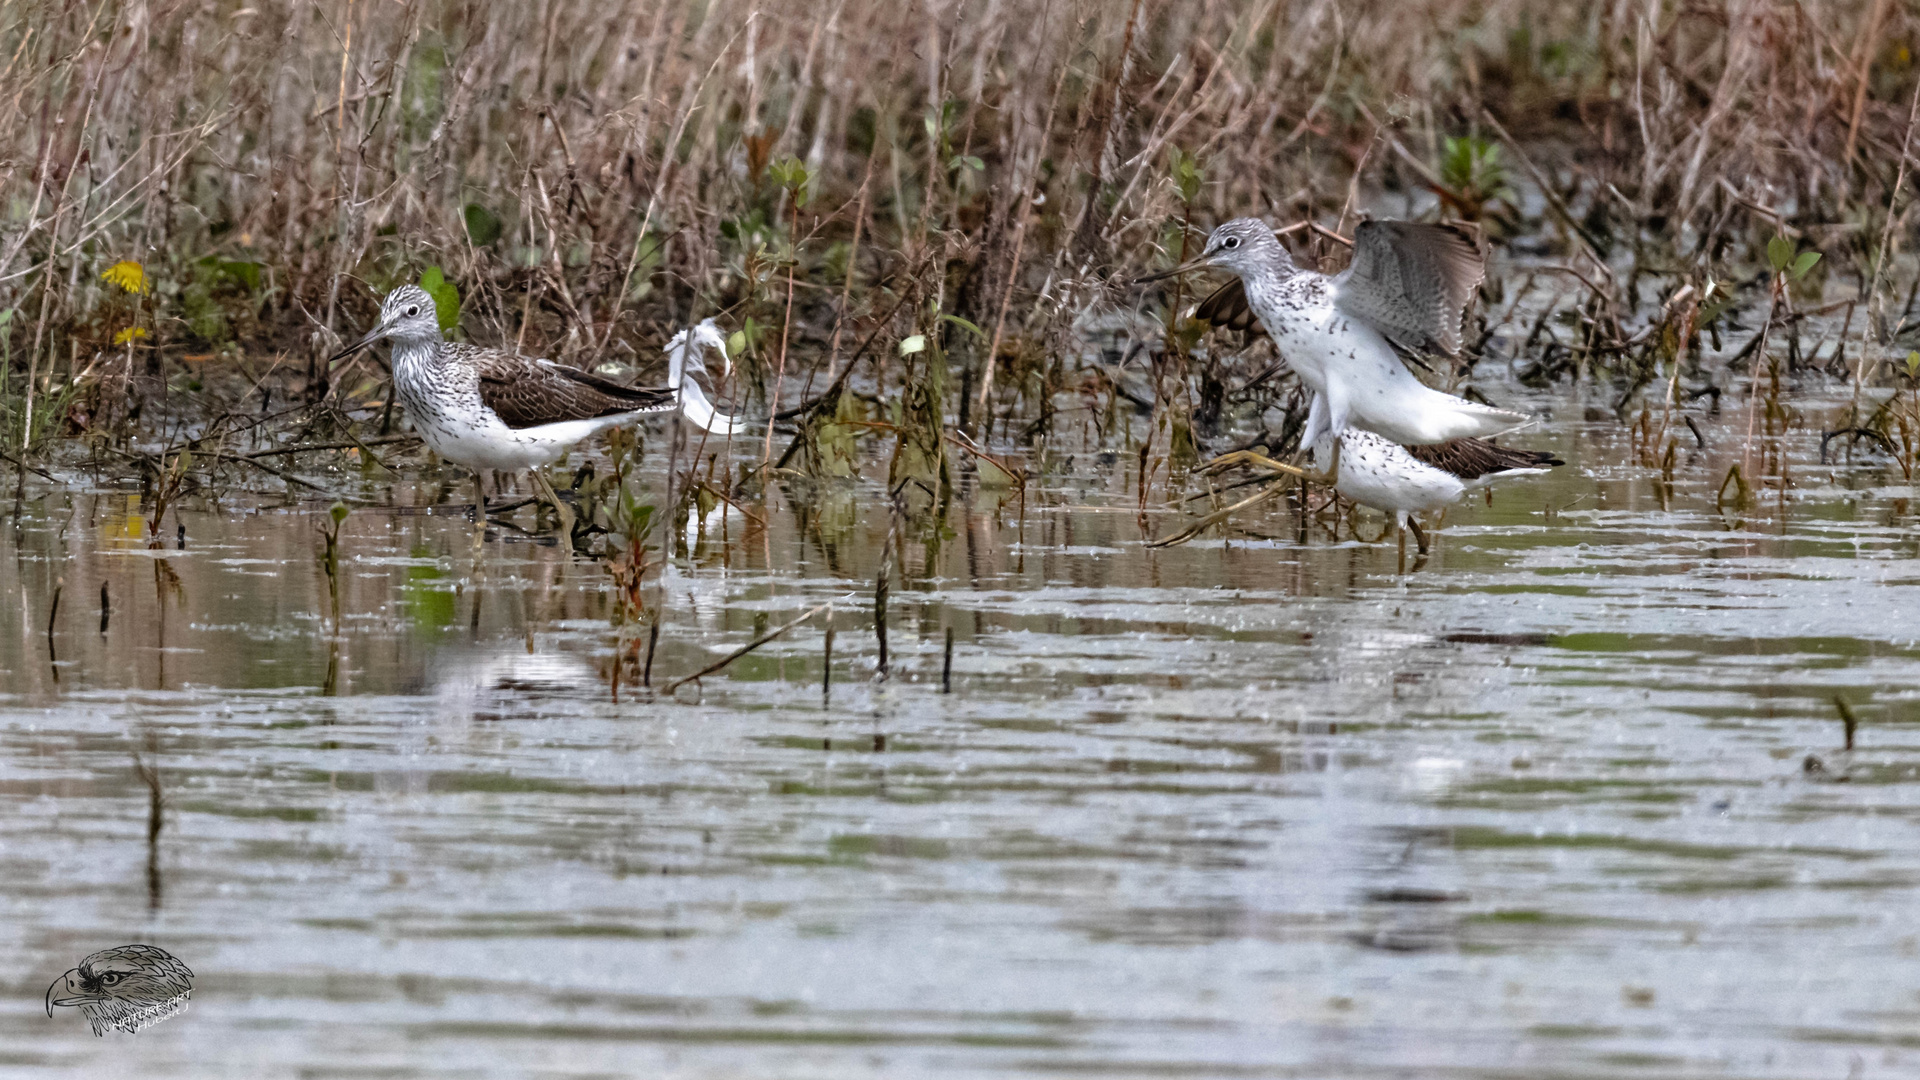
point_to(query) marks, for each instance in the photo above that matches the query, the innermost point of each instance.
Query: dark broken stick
(747, 648)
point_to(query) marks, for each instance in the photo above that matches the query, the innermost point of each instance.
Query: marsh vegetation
(919, 222)
(877, 741)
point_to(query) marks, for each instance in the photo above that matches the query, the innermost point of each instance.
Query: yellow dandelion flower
(131, 333)
(127, 274)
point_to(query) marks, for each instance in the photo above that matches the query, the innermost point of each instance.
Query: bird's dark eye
(1230, 242)
(412, 310)
(111, 978)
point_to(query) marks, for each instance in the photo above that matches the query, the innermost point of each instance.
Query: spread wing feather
(1471, 459)
(1227, 308)
(1411, 282)
(525, 392)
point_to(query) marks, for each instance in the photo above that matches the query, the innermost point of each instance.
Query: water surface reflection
(1253, 807)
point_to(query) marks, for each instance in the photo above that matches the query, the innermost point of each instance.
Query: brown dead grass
(628, 149)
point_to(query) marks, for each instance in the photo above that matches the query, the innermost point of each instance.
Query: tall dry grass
(592, 174)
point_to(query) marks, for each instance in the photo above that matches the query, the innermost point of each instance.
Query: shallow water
(1259, 806)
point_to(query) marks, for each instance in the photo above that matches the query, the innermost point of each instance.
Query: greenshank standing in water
(496, 409)
(1400, 481)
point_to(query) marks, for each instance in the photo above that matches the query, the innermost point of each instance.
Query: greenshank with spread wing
(1408, 284)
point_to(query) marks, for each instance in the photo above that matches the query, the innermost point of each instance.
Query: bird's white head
(1245, 246)
(407, 318)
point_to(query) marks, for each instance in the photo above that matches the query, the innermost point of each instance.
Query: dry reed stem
(587, 128)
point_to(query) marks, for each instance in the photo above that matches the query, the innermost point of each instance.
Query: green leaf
(1779, 253)
(1804, 263)
(247, 274)
(640, 521)
(483, 225)
(1185, 170)
(791, 173)
(966, 325)
(1471, 166)
(338, 511)
(736, 343)
(1913, 365)
(914, 344)
(446, 298)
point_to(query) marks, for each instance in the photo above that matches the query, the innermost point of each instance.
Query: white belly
(1381, 474)
(1350, 364)
(476, 438)
(1363, 382)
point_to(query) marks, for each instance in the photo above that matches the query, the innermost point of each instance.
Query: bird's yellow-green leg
(1331, 477)
(561, 510)
(479, 512)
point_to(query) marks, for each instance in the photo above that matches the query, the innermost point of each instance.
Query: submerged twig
(1279, 485)
(747, 648)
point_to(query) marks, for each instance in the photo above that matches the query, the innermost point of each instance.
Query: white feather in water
(686, 354)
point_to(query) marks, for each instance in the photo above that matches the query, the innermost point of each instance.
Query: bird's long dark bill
(373, 335)
(1190, 264)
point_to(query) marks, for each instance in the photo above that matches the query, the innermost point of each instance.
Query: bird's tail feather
(1482, 421)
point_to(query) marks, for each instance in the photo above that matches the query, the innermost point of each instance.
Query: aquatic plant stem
(1021, 207)
(1880, 260)
(666, 166)
(46, 279)
(826, 666)
(846, 287)
(1863, 66)
(780, 369)
(1759, 360)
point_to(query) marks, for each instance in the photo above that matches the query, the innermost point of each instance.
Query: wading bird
(1400, 481)
(491, 408)
(1408, 285)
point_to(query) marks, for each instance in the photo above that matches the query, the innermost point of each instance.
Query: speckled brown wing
(525, 392)
(1471, 459)
(1411, 282)
(1226, 308)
